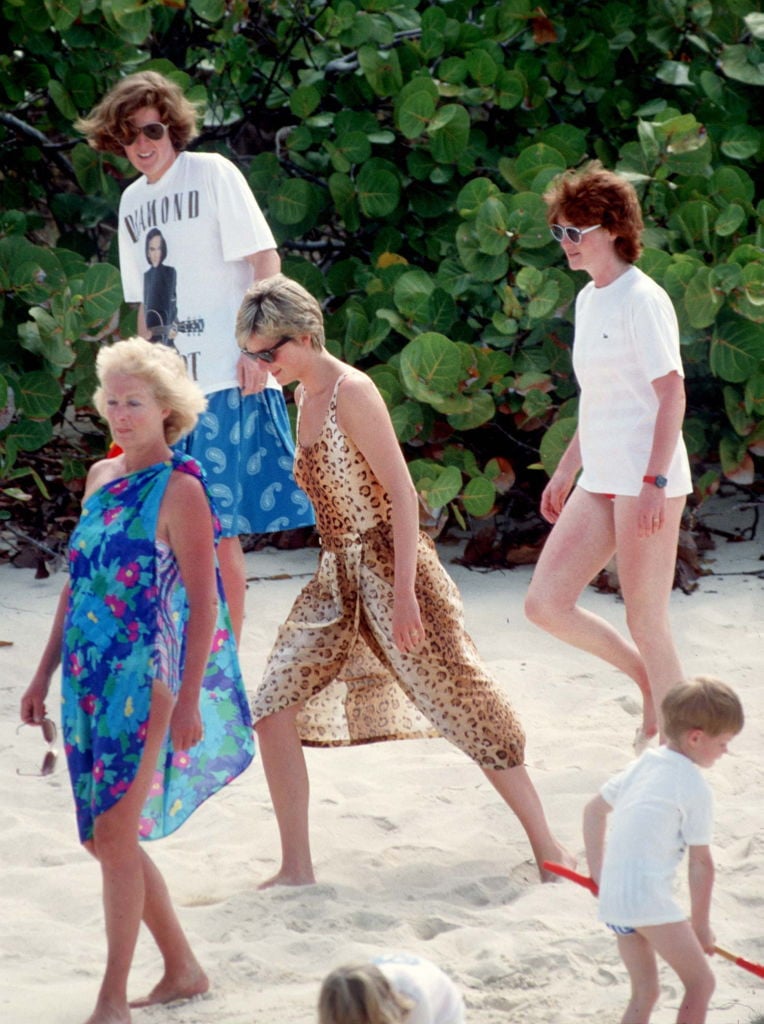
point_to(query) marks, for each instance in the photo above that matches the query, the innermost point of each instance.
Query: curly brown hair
(106, 126)
(594, 195)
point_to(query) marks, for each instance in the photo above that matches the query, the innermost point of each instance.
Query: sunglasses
(50, 734)
(573, 235)
(265, 355)
(154, 131)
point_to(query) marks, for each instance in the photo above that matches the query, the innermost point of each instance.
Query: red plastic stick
(591, 885)
(757, 969)
(573, 876)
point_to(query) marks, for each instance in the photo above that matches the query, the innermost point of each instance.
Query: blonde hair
(163, 369)
(106, 128)
(277, 306)
(361, 994)
(701, 703)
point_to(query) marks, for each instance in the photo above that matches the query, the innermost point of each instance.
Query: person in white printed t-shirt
(217, 240)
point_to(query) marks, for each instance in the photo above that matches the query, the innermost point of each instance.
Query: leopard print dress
(335, 656)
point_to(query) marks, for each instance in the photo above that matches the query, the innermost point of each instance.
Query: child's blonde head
(360, 994)
(701, 703)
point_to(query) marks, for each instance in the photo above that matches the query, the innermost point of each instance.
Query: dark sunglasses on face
(154, 131)
(573, 235)
(50, 733)
(266, 355)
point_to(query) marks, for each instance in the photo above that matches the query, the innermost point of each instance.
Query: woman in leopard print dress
(374, 647)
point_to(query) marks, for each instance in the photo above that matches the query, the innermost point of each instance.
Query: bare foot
(109, 1013)
(560, 856)
(170, 989)
(642, 739)
(289, 878)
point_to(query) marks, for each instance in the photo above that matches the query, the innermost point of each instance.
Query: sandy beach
(413, 849)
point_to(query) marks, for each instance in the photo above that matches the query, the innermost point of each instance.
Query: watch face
(660, 481)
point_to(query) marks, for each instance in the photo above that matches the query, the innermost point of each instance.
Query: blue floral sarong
(124, 630)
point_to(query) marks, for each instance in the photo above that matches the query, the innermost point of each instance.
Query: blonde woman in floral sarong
(374, 647)
(154, 714)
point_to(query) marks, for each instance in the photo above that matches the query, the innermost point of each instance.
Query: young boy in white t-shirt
(661, 805)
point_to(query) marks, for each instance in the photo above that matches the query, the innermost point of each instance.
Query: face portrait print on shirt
(160, 302)
(193, 221)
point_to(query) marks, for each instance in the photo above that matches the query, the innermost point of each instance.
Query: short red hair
(594, 195)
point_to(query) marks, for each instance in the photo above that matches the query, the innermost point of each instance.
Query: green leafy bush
(400, 150)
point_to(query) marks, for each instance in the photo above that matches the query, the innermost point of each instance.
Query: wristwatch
(659, 481)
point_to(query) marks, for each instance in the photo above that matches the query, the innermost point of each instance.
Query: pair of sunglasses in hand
(50, 734)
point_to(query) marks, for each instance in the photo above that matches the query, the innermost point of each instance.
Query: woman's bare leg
(581, 543)
(646, 574)
(287, 777)
(183, 976)
(514, 786)
(115, 845)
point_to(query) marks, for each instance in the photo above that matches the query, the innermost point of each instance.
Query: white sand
(413, 849)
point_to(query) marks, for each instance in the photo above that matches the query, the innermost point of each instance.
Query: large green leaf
(441, 488)
(431, 367)
(412, 293)
(538, 163)
(415, 107)
(63, 13)
(555, 441)
(741, 142)
(28, 435)
(304, 100)
(210, 10)
(527, 220)
(737, 350)
(479, 496)
(382, 71)
(729, 220)
(492, 226)
(480, 409)
(294, 200)
(702, 299)
(378, 191)
(449, 133)
(743, 63)
(345, 199)
(748, 301)
(481, 265)
(407, 418)
(696, 220)
(509, 89)
(38, 394)
(101, 293)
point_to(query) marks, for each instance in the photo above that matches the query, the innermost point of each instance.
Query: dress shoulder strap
(335, 392)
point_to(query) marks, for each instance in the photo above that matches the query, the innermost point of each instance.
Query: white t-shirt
(626, 337)
(209, 221)
(661, 805)
(436, 998)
